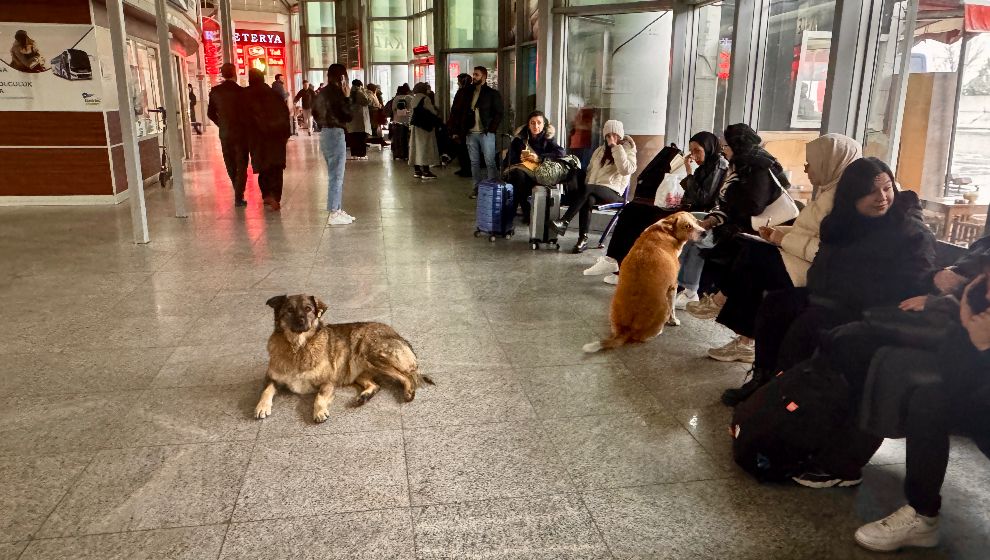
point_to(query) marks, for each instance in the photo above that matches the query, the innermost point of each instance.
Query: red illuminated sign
(274, 52)
(274, 61)
(421, 50)
(255, 50)
(724, 60)
(264, 38)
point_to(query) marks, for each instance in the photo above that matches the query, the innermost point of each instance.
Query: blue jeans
(692, 264)
(478, 145)
(334, 151)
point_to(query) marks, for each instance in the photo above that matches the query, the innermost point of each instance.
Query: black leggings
(758, 269)
(584, 197)
(522, 185)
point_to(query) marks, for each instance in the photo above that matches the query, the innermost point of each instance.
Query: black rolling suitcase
(545, 208)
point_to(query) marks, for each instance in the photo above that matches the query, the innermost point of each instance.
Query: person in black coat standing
(269, 131)
(227, 109)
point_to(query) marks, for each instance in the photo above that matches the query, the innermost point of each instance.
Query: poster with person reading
(49, 68)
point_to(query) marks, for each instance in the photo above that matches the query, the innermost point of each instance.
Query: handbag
(553, 171)
(423, 118)
(779, 211)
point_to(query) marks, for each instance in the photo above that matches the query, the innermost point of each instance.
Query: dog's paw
(263, 410)
(321, 416)
(409, 395)
(674, 322)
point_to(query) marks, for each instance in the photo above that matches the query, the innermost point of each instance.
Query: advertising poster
(46, 67)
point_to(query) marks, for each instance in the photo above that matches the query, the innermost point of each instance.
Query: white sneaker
(348, 216)
(734, 351)
(338, 218)
(604, 265)
(683, 298)
(612, 279)
(707, 308)
(904, 527)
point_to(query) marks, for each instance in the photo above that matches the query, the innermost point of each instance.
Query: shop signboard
(262, 38)
(50, 67)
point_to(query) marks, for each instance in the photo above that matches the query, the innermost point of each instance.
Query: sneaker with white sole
(612, 279)
(337, 218)
(348, 216)
(735, 351)
(904, 527)
(820, 479)
(604, 265)
(706, 308)
(684, 298)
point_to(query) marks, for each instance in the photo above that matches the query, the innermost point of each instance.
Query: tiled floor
(128, 375)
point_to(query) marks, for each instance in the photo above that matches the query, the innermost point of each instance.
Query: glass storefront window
(472, 24)
(320, 18)
(882, 114)
(389, 8)
(389, 43)
(422, 31)
(618, 67)
(389, 77)
(971, 151)
(145, 91)
(465, 62)
(711, 78)
(322, 52)
(795, 70)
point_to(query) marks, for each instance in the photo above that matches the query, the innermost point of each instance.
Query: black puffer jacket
(332, 109)
(543, 145)
(748, 191)
(889, 262)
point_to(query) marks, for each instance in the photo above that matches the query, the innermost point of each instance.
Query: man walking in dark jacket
(269, 131)
(462, 100)
(477, 122)
(305, 96)
(226, 109)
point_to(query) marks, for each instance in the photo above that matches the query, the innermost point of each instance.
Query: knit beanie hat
(613, 127)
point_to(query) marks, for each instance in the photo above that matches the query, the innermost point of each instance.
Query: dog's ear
(277, 302)
(321, 307)
(668, 225)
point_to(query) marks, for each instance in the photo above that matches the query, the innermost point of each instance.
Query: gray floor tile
(129, 332)
(470, 348)
(188, 543)
(629, 450)
(530, 348)
(373, 535)
(292, 415)
(728, 519)
(192, 366)
(709, 426)
(81, 371)
(458, 463)
(152, 488)
(31, 487)
(539, 528)
(145, 302)
(181, 415)
(227, 328)
(44, 424)
(11, 551)
(582, 390)
(465, 395)
(326, 474)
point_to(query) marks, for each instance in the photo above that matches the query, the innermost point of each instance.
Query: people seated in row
(700, 189)
(783, 260)
(874, 251)
(604, 181)
(754, 181)
(532, 144)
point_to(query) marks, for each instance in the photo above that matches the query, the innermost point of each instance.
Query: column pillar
(227, 32)
(680, 92)
(132, 159)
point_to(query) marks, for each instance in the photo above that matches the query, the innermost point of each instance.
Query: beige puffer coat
(613, 175)
(827, 157)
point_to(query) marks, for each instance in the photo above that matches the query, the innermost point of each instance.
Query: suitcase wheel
(509, 235)
(477, 233)
(491, 239)
(534, 246)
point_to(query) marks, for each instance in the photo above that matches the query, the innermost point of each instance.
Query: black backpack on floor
(780, 426)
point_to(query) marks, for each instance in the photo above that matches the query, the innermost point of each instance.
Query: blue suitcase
(495, 210)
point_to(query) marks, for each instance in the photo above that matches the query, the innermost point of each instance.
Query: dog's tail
(609, 343)
(419, 379)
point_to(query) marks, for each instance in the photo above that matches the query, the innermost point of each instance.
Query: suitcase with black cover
(545, 208)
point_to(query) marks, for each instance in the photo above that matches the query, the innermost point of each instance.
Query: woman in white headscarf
(783, 261)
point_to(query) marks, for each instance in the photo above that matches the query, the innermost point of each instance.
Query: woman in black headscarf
(700, 188)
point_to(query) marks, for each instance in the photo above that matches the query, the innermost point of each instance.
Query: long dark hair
(844, 223)
(21, 37)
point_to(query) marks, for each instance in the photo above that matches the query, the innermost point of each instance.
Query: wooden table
(954, 209)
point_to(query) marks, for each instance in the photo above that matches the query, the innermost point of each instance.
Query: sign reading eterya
(50, 68)
(262, 38)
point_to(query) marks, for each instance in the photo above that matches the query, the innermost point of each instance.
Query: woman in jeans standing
(332, 112)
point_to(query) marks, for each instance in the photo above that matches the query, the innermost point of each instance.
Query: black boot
(732, 397)
(560, 226)
(582, 244)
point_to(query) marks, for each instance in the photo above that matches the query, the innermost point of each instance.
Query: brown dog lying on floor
(308, 356)
(644, 299)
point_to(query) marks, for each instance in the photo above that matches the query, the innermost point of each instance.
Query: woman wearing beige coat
(783, 261)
